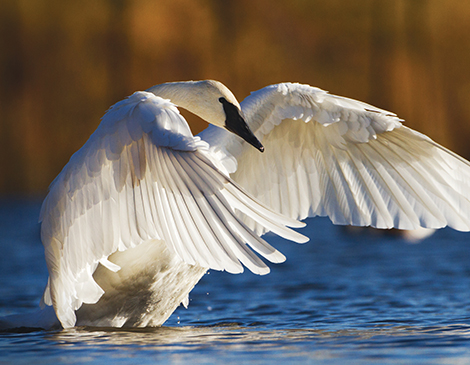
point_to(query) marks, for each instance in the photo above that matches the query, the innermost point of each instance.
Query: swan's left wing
(332, 156)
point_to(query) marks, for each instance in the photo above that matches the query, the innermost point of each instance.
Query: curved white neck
(194, 96)
(199, 97)
(178, 93)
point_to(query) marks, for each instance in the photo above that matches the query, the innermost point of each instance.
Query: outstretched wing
(332, 156)
(142, 175)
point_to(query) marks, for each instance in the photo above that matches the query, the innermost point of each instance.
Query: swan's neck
(188, 95)
(198, 97)
(180, 93)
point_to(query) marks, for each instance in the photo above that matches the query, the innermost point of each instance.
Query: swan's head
(212, 101)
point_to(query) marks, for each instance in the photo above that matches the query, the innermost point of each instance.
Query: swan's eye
(222, 100)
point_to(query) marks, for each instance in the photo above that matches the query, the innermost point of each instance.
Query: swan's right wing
(333, 156)
(142, 176)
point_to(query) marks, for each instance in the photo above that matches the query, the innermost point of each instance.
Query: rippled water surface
(341, 298)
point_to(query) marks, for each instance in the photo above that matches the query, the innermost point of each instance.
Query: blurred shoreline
(64, 63)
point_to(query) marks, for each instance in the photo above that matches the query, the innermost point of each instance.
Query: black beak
(237, 125)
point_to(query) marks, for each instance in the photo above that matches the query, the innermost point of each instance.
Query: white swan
(144, 209)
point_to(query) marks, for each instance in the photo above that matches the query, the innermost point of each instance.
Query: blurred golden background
(63, 63)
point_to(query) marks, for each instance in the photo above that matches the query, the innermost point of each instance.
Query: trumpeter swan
(144, 208)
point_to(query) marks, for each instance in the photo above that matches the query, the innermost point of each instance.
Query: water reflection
(234, 335)
(233, 342)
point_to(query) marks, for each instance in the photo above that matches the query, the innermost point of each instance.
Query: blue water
(340, 298)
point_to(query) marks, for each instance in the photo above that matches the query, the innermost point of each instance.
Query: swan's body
(144, 209)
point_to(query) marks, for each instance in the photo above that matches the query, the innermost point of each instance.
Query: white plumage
(144, 208)
(332, 156)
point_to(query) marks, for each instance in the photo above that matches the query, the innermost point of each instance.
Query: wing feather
(194, 239)
(195, 199)
(230, 262)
